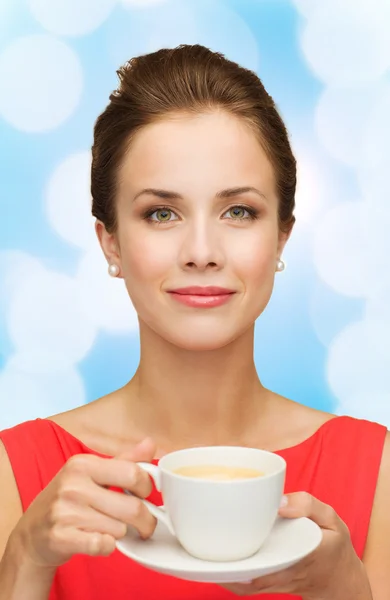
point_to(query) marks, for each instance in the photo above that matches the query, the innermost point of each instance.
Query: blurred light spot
(345, 255)
(71, 17)
(347, 43)
(47, 323)
(172, 23)
(359, 365)
(68, 200)
(341, 117)
(41, 81)
(103, 298)
(25, 396)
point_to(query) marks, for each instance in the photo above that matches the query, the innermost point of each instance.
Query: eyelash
(253, 213)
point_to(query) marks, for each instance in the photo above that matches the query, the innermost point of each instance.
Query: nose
(202, 247)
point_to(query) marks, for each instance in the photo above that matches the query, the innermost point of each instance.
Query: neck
(199, 398)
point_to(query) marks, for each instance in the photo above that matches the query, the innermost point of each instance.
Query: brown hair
(188, 79)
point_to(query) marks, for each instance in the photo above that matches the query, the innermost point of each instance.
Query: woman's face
(199, 229)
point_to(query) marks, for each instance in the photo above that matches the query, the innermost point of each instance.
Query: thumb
(144, 451)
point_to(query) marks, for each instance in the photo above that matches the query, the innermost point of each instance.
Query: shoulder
(377, 551)
(294, 423)
(83, 421)
(102, 425)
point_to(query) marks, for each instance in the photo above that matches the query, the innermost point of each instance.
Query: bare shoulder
(101, 425)
(296, 422)
(10, 503)
(377, 552)
(94, 415)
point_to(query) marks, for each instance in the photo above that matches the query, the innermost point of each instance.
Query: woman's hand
(332, 572)
(77, 514)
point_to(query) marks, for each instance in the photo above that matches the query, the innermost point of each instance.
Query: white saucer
(289, 542)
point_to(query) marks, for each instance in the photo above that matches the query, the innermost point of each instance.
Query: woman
(193, 183)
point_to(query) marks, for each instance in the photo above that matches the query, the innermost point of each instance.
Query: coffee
(217, 472)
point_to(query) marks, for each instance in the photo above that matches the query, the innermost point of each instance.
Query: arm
(376, 557)
(21, 580)
(18, 579)
(76, 513)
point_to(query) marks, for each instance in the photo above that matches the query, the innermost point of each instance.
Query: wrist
(353, 584)
(20, 577)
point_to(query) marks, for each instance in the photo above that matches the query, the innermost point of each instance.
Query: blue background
(323, 339)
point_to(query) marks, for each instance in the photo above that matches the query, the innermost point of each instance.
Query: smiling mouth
(202, 298)
(202, 291)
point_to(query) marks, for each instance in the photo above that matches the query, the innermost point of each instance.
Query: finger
(106, 472)
(281, 582)
(123, 508)
(251, 589)
(93, 520)
(302, 504)
(74, 541)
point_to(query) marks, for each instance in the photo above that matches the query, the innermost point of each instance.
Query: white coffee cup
(219, 520)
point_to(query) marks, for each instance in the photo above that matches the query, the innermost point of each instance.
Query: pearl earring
(113, 270)
(280, 265)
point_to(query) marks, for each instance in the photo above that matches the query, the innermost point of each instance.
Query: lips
(202, 297)
(202, 291)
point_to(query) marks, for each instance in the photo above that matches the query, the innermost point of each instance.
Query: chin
(198, 341)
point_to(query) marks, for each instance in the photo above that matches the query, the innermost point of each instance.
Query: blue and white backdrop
(68, 332)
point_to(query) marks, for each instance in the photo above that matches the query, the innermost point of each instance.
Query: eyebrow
(228, 193)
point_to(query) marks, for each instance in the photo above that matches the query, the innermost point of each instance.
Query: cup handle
(156, 511)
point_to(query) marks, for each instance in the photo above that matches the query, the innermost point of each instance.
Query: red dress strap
(37, 451)
(354, 450)
(340, 465)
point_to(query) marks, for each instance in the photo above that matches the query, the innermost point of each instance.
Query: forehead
(191, 151)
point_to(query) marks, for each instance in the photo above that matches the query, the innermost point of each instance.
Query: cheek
(145, 259)
(255, 259)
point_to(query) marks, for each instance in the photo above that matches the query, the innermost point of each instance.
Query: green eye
(242, 213)
(163, 214)
(160, 215)
(238, 212)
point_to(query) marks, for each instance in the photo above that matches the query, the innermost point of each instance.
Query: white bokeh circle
(307, 196)
(104, 298)
(378, 306)
(330, 312)
(317, 190)
(370, 405)
(15, 266)
(172, 23)
(351, 249)
(47, 324)
(68, 200)
(359, 361)
(341, 118)
(306, 7)
(347, 43)
(374, 165)
(25, 396)
(375, 145)
(41, 83)
(71, 17)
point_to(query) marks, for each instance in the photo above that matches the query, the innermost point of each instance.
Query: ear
(109, 244)
(283, 239)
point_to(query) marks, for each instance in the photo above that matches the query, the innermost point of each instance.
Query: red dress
(339, 465)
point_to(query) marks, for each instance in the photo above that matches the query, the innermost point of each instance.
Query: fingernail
(283, 502)
(247, 582)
